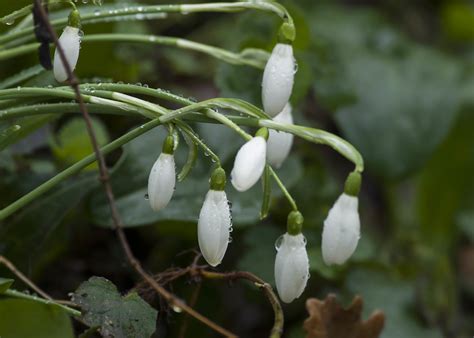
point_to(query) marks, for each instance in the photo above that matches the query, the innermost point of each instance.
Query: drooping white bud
(278, 78)
(70, 41)
(214, 226)
(291, 266)
(279, 143)
(162, 181)
(341, 230)
(249, 163)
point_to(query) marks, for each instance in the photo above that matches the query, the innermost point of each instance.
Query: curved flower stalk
(250, 161)
(279, 143)
(70, 42)
(215, 220)
(162, 179)
(278, 77)
(341, 230)
(291, 263)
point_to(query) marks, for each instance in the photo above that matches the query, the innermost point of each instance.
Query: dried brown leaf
(328, 319)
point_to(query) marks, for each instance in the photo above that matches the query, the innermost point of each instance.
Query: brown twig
(104, 177)
(277, 329)
(200, 271)
(23, 278)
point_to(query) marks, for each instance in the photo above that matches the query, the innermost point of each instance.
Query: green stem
(195, 138)
(283, 189)
(313, 135)
(139, 12)
(319, 136)
(228, 122)
(58, 108)
(219, 53)
(22, 295)
(75, 168)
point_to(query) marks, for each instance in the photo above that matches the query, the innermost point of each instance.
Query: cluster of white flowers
(341, 228)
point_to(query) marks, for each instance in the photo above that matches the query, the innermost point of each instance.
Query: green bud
(168, 145)
(286, 33)
(263, 132)
(218, 179)
(74, 19)
(294, 223)
(353, 182)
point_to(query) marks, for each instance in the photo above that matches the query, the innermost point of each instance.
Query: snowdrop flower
(215, 222)
(341, 231)
(278, 78)
(162, 179)
(250, 161)
(70, 41)
(291, 263)
(279, 143)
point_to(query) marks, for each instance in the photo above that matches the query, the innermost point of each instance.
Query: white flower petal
(161, 182)
(70, 41)
(249, 163)
(214, 226)
(279, 143)
(278, 78)
(341, 231)
(291, 267)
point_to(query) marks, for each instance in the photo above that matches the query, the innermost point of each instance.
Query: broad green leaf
(34, 236)
(394, 297)
(404, 94)
(259, 250)
(103, 306)
(21, 318)
(72, 142)
(445, 186)
(130, 177)
(5, 284)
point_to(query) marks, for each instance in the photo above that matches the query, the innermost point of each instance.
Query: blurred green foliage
(404, 98)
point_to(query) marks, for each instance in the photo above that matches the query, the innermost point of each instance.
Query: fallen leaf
(328, 319)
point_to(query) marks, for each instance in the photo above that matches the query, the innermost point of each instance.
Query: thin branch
(47, 299)
(23, 278)
(277, 329)
(104, 177)
(197, 272)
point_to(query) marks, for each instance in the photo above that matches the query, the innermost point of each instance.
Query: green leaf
(117, 316)
(192, 157)
(130, 177)
(21, 318)
(72, 142)
(445, 186)
(34, 236)
(259, 250)
(5, 284)
(404, 94)
(394, 297)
